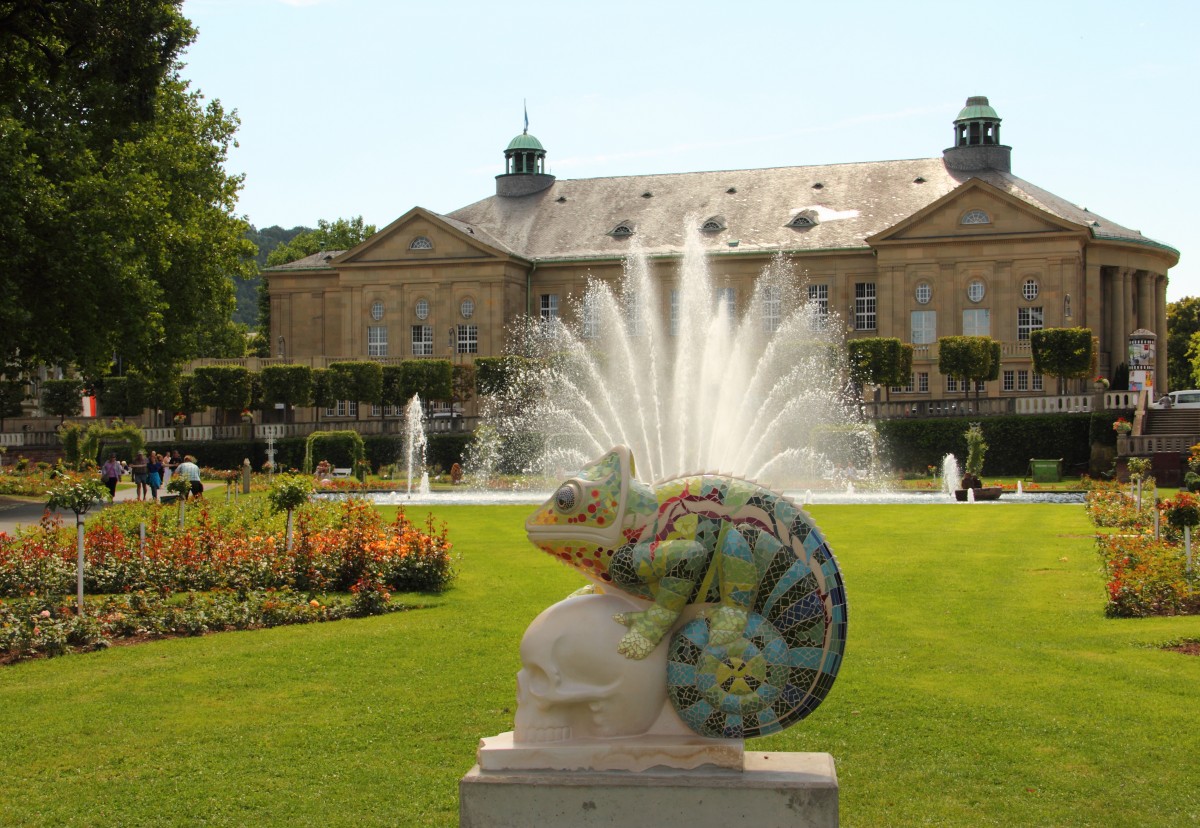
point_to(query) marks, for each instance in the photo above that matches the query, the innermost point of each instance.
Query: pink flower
(45, 613)
(37, 630)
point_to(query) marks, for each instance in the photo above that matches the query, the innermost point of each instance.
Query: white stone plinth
(636, 753)
(796, 790)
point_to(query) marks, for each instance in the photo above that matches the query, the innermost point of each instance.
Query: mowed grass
(982, 686)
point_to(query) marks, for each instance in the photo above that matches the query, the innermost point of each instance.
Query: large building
(914, 249)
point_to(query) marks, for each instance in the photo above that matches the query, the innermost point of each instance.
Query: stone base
(636, 753)
(797, 790)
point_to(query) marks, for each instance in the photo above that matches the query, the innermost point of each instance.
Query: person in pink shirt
(110, 473)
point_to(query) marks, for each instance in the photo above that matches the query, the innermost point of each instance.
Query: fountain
(414, 445)
(757, 391)
(951, 475)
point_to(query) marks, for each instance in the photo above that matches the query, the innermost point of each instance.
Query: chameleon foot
(586, 589)
(635, 645)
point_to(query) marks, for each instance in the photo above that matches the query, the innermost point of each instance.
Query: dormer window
(805, 218)
(714, 224)
(622, 230)
(647, 194)
(976, 217)
(421, 243)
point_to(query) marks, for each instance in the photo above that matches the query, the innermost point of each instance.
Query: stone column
(1104, 319)
(1087, 305)
(1119, 331)
(1146, 315)
(1160, 328)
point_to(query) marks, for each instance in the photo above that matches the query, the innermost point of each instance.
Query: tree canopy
(1183, 321)
(116, 213)
(339, 234)
(1065, 353)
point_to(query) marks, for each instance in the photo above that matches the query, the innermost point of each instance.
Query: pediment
(975, 208)
(419, 236)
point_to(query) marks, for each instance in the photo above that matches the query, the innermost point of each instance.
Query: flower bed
(31, 627)
(235, 549)
(1145, 575)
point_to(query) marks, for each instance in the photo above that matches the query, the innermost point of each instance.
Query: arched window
(976, 217)
(622, 230)
(421, 243)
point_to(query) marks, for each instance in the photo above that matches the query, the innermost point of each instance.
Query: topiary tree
(227, 387)
(970, 359)
(1065, 353)
(976, 449)
(878, 360)
(12, 394)
(361, 382)
(62, 398)
(291, 385)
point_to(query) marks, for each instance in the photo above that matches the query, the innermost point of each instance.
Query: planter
(981, 493)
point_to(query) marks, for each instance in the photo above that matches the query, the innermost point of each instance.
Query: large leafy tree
(116, 213)
(1183, 321)
(339, 234)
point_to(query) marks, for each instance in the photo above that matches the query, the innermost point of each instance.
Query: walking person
(189, 471)
(154, 475)
(139, 472)
(110, 473)
(167, 468)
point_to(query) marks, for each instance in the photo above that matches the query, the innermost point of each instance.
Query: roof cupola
(977, 139)
(524, 166)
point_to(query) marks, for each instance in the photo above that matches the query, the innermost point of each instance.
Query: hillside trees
(116, 214)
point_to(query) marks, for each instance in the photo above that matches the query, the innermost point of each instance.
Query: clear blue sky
(367, 107)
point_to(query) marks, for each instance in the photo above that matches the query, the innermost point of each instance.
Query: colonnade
(1135, 299)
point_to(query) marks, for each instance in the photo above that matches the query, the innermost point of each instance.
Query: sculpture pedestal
(797, 790)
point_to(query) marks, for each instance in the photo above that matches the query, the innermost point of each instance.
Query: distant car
(1178, 399)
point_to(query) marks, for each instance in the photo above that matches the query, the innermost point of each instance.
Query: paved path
(16, 512)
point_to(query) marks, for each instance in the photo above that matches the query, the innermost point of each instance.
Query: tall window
(1037, 382)
(1008, 380)
(924, 327)
(727, 299)
(591, 318)
(864, 306)
(377, 340)
(923, 382)
(345, 408)
(818, 295)
(549, 306)
(422, 340)
(951, 384)
(468, 339)
(633, 313)
(772, 298)
(674, 312)
(1028, 319)
(1022, 380)
(977, 322)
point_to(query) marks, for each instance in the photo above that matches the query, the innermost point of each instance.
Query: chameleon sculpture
(766, 648)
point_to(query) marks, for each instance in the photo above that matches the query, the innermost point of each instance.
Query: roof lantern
(977, 139)
(524, 166)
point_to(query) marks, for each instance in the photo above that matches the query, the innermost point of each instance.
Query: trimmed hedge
(1012, 441)
(444, 450)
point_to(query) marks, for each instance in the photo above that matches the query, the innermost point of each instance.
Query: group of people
(152, 472)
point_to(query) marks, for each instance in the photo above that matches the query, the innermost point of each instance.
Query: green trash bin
(1046, 471)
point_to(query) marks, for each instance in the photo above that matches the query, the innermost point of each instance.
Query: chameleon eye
(565, 499)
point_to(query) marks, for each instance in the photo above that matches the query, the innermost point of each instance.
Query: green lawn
(982, 686)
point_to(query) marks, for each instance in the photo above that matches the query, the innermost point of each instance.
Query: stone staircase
(1172, 421)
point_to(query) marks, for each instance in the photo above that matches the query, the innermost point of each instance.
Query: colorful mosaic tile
(765, 651)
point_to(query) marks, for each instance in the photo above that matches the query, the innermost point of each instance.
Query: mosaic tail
(767, 653)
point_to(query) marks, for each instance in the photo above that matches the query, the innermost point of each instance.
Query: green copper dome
(977, 108)
(525, 141)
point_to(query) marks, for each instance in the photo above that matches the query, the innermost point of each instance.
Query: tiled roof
(572, 218)
(317, 261)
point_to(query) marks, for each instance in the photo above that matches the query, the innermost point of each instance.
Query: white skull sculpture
(573, 683)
